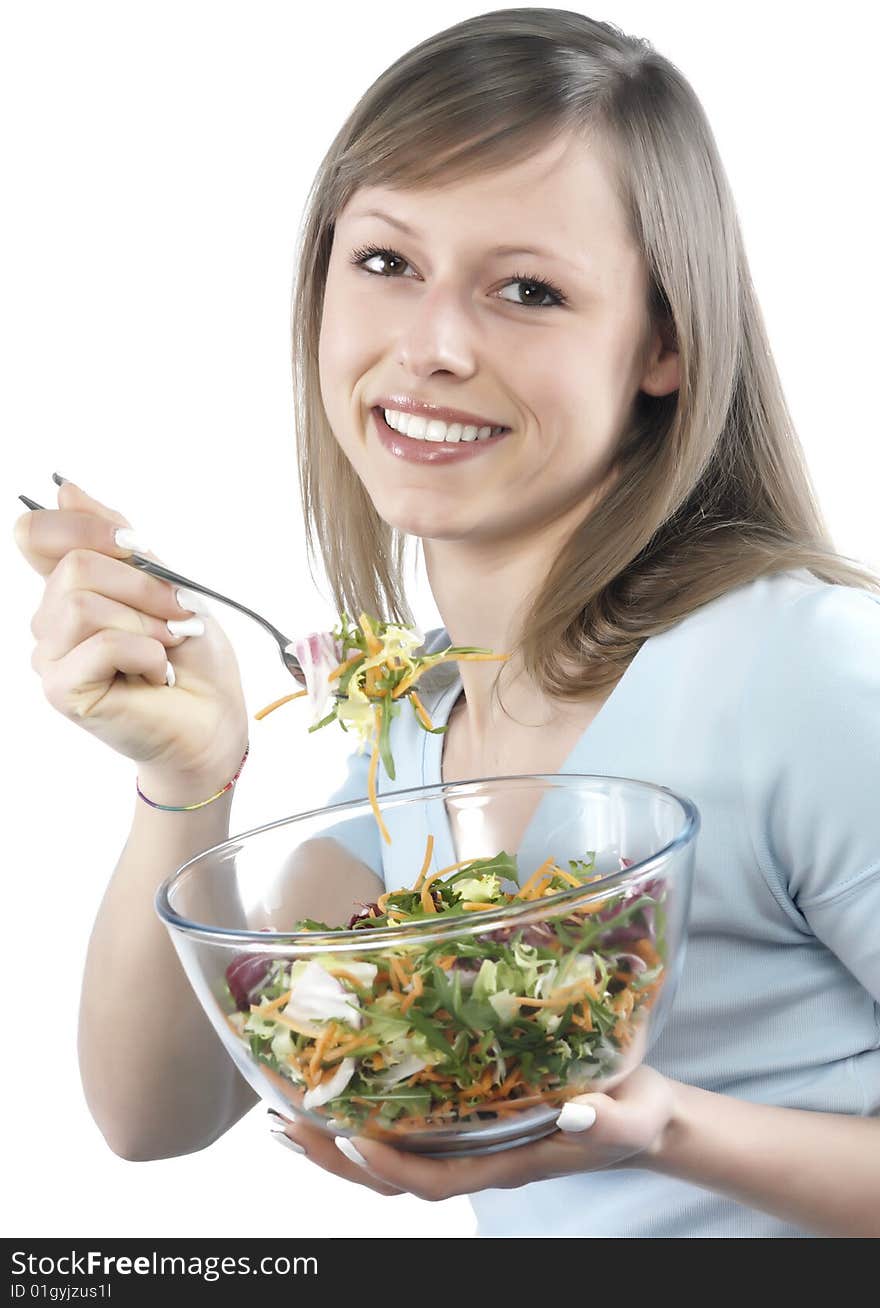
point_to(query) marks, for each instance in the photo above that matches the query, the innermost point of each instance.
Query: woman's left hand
(625, 1125)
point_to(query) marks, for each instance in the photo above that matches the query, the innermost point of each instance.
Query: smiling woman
(525, 223)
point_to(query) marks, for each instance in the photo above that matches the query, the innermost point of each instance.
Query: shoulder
(819, 638)
(809, 737)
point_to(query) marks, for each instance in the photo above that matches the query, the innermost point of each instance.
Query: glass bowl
(460, 1031)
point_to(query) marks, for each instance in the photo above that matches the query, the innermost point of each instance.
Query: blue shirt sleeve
(360, 835)
(810, 763)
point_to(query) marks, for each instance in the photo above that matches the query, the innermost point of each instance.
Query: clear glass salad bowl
(450, 1017)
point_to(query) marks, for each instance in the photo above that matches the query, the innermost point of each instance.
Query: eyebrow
(498, 249)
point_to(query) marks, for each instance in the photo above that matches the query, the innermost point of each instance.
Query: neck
(488, 613)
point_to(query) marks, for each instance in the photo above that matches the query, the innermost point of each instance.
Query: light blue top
(763, 707)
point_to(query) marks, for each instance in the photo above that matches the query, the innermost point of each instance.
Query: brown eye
(362, 256)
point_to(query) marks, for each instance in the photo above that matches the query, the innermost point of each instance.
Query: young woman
(525, 225)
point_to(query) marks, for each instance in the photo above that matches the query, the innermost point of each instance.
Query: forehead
(563, 192)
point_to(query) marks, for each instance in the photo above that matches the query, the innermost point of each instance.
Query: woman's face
(442, 318)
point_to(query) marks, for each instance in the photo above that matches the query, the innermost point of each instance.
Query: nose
(438, 334)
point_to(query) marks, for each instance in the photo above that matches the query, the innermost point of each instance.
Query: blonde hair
(712, 489)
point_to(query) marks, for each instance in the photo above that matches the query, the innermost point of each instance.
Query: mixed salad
(426, 1035)
(373, 666)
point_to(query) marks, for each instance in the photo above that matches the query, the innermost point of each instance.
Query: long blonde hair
(713, 489)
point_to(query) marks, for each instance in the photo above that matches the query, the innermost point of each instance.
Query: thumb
(580, 1112)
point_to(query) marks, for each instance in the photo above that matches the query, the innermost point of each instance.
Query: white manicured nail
(191, 599)
(170, 678)
(128, 539)
(344, 1145)
(576, 1117)
(186, 626)
(286, 1140)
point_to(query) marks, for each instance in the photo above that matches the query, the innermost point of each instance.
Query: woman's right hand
(103, 644)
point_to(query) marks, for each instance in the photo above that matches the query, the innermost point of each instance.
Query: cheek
(347, 329)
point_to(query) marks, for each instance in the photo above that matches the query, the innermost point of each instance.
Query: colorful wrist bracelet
(187, 808)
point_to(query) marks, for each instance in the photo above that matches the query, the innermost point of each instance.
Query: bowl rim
(522, 914)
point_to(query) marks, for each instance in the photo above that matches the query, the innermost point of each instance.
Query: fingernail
(576, 1117)
(58, 479)
(344, 1145)
(192, 600)
(186, 626)
(286, 1140)
(170, 678)
(127, 539)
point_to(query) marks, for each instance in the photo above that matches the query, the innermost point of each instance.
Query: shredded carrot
(426, 863)
(421, 712)
(327, 1037)
(510, 1081)
(587, 909)
(272, 1005)
(418, 988)
(346, 1047)
(374, 644)
(453, 867)
(270, 708)
(540, 874)
(584, 1018)
(433, 660)
(371, 786)
(567, 876)
(622, 1003)
(341, 972)
(426, 897)
(399, 973)
(563, 996)
(301, 1028)
(339, 672)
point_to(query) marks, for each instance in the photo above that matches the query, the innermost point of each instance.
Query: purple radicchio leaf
(318, 654)
(245, 974)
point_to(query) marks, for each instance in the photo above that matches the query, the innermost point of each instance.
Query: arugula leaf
(390, 710)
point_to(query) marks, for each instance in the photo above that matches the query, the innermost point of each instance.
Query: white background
(155, 160)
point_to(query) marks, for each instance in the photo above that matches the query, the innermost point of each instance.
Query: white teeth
(432, 429)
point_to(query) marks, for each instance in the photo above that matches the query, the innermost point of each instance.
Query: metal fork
(285, 644)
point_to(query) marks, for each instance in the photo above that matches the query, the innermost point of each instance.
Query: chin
(416, 519)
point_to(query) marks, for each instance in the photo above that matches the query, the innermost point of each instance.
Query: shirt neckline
(444, 848)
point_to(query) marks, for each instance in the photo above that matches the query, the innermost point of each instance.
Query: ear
(662, 374)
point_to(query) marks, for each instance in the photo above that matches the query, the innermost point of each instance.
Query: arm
(157, 1079)
(820, 1171)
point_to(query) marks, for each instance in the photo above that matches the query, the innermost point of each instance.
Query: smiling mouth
(379, 414)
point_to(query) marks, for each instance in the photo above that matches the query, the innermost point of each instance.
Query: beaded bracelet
(187, 808)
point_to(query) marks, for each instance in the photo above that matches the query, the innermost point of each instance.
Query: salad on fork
(360, 673)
